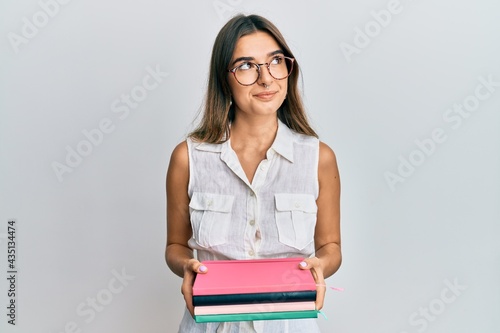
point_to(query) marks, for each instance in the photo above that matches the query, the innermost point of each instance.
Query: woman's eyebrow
(275, 53)
(242, 59)
(270, 54)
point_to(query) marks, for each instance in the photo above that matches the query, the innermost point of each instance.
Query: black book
(271, 297)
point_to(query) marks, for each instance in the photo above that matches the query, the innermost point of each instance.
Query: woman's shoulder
(186, 148)
(327, 157)
(304, 139)
(325, 149)
(179, 154)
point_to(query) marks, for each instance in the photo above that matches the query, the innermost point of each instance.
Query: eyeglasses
(248, 73)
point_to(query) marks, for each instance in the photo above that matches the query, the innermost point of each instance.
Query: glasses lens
(280, 67)
(247, 73)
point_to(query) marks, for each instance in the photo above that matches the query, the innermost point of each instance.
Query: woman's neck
(258, 133)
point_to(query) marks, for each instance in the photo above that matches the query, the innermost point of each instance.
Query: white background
(403, 244)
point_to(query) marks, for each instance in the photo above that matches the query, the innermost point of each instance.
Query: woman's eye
(277, 61)
(245, 66)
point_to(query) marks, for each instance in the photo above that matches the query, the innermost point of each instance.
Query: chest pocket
(210, 218)
(295, 219)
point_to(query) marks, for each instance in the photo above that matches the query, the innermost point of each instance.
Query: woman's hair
(218, 111)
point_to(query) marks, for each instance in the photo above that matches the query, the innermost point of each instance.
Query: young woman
(252, 181)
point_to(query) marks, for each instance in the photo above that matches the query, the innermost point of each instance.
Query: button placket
(260, 174)
(252, 211)
(252, 230)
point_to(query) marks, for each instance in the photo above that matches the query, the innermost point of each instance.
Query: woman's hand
(191, 268)
(314, 265)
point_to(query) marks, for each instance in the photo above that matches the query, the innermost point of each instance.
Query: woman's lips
(265, 95)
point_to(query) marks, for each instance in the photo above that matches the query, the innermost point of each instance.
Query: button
(263, 167)
(297, 205)
(252, 194)
(257, 234)
(251, 253)
(209, 203)
(252, 222)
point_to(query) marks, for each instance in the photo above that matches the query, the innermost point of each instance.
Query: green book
(256, 316)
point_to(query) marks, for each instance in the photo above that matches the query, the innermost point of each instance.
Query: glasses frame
(233, 70)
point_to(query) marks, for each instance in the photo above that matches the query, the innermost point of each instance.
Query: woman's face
(266, 95)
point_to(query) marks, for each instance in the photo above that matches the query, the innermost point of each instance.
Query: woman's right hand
(191, 268)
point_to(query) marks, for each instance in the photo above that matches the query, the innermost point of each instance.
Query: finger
(304, 265)
(201, 268)
(187, 283)
(189, 303)
(196, 266)
(320, 292)
(314, 265)
(187, 290)
(192, 268)
(309, 263)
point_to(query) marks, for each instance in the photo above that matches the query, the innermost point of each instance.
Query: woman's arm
(327, 233)
(178, 255)
(178, 226)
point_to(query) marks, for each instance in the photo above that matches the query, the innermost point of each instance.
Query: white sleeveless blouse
(272, 217)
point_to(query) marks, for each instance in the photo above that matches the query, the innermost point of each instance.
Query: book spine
(277, 297)
(254, 308)
(257, 316)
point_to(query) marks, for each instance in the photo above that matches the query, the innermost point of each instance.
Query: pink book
(254, 308)
(253, 276)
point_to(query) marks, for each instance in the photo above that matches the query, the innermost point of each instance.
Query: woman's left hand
(314, 265)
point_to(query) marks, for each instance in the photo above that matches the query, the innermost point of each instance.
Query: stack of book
(262, 289)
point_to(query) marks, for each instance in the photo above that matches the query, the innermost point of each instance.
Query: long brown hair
(218, 111)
